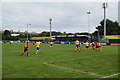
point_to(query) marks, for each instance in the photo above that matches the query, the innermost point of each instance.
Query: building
(67, 38)
(71, 37)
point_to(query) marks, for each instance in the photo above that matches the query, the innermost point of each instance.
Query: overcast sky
(66, 16)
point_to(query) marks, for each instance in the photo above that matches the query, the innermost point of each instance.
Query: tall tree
(112, 28)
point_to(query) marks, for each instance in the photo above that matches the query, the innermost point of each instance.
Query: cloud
(67, 16)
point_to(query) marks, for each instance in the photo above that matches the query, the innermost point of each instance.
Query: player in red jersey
(93, 45)
(25, 49)
(98, 45)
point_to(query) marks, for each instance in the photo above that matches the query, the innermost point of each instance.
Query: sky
(70, 17)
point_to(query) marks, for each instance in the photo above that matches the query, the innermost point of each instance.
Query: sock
(22, 54)
(27, 53)
(36, 51)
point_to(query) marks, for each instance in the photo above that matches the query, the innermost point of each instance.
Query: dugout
(71, 37)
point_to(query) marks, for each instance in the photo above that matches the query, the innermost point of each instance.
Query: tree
(112, 28)
(7, 36)
(95, 33)
(64, 33)
(70, 34)
(7, 33)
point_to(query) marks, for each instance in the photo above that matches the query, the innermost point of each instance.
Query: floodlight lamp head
(88, 12)
(50, 19)
(105, 5)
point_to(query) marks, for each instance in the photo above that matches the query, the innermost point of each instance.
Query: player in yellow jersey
(87, 45)
(37, 47)
(51, 44)
(77, 45)
(99, 45)
(18, 41)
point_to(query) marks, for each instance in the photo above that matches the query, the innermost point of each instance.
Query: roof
(41, 38)
(71, 36)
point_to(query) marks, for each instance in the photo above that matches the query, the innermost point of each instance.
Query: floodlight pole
(27, 31)
(104, 7)
(50, 28)
(88, 21)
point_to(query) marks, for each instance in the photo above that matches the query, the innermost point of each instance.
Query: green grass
(61, 62)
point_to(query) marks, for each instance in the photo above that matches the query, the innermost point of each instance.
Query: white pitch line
(65, 68)
(107, 76)
(48, 63)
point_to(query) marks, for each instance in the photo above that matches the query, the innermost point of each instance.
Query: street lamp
(50, 28)
(27, 31)
(104, 7)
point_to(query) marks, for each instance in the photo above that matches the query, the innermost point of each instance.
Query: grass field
(61, 61)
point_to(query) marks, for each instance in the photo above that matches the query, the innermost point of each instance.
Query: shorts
(97, 46)
(93, 45)
(37, 48)
(51, 45)
(87, 46)
(26, 49)
(77, 46)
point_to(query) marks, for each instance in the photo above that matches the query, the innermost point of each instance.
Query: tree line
(112, 28)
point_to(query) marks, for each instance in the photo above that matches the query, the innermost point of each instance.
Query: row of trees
(112, 29)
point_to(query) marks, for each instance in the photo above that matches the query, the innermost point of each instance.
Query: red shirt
(96, 44)
(93, 43)
(25, 46)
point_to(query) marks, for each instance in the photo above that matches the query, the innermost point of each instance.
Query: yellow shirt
(77, 42)
(90, 44)
(99, 44)
(87, 44)
(18, 41)
(37, 44)
(51, 42)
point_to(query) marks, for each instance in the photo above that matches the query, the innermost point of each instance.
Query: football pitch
(60, 61)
